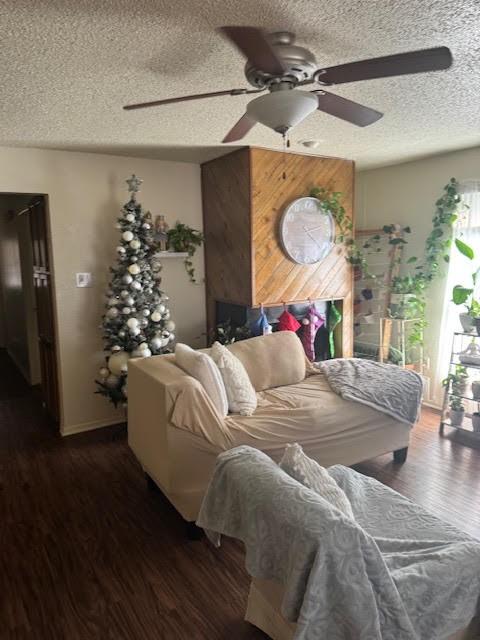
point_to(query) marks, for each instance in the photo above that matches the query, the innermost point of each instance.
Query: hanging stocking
(311, 324)
(288, 322)
(260, 326)
(334, 317)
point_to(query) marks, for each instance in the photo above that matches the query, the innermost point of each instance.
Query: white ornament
(130, 301)
(161, 308)
(171, 337)
(135, 331)
(170, 325)
(124, 294)
(104, 372)
(126, 310)
(127, 236)
(135, 244)
(156, 316)
(145, 225)
(156, 343)
(165, 341)
(121, 250)
(112, 381)
(112, 302)
(136, 285)
(116, 348)
(143, 346)
(112, 312)
(121, 333)
(130, 217)
(134, 269)
(117, 361)
(127, 278)
(132, 323)
(141, 353)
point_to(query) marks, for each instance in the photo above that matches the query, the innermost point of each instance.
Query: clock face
(307, 231)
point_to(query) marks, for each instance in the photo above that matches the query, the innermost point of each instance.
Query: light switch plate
(83, 279)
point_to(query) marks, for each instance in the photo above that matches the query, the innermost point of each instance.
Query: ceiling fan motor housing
(300, 64)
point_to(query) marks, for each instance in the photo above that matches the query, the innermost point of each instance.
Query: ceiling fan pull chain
(286, 145)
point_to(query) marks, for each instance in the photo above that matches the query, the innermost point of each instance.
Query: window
(460, 269)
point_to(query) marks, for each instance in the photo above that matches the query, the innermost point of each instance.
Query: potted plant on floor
(457, 411)
(457, 381)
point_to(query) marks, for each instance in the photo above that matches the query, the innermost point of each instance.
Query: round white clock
(307, 231)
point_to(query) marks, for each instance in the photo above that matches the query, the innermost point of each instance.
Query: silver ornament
(127, 278)
(146, 312)
(124, 294)
(126, 311)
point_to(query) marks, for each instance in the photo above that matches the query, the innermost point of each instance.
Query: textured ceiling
(68, 66)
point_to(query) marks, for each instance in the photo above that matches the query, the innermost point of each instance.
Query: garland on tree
(136, 322)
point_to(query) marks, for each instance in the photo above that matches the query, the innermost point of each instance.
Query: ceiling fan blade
(346, 109)
(196, 96)
(254, 45)
(397, 64)
(240, 129)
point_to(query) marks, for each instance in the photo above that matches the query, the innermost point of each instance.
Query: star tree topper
(134, 185)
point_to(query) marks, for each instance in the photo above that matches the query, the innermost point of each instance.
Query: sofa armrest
(161, 395)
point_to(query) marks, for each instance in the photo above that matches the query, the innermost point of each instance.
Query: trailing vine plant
(437, 247)
(184, 239)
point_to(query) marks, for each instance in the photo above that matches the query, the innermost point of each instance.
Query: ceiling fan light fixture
(282, 110)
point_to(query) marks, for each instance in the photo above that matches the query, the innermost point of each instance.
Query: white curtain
(467, 228)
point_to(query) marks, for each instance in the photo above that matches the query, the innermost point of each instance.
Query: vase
(476, 389)
(456, 417)
(467, 322)
(476, 422)
(477, 325)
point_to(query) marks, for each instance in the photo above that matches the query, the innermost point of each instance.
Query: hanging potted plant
(457, 411)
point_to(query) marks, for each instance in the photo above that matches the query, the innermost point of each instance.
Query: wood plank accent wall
(244, 196)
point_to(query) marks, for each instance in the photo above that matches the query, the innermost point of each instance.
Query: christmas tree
(136, 322)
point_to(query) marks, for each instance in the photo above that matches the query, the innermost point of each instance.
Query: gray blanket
(395, 573)
(385, 387)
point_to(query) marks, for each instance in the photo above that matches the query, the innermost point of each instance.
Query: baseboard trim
(89, 426)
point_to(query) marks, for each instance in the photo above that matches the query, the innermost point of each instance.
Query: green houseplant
(457, 381)
(457, 411)
(184, 239)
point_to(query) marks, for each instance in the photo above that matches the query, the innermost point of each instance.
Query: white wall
(406, 193)
(85, 194)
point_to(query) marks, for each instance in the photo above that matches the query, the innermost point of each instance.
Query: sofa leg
(193, 532)
(400, 455)
(151, 485)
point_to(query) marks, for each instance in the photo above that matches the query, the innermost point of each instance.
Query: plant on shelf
(457, 381)
(332, 203)
(466, 295)
(184, 239)
(457, 411)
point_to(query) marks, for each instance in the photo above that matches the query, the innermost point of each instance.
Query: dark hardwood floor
(86, 552)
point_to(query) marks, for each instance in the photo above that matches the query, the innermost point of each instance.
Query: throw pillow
(240, 392)
(309, 473)
(202, 367)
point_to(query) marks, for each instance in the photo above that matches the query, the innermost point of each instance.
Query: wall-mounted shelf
(171, 254)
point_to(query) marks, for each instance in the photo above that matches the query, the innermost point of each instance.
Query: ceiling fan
(275, 63)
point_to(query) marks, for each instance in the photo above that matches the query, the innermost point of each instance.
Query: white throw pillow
(201, 367)
(309, 473)
(240, 392)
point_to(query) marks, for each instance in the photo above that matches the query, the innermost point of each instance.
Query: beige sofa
(176, 433)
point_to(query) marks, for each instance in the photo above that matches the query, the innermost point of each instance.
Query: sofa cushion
(202, 367)
(240, 392)
(274, 360)
(309, 473)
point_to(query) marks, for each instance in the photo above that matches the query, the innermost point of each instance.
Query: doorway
(27, 326)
